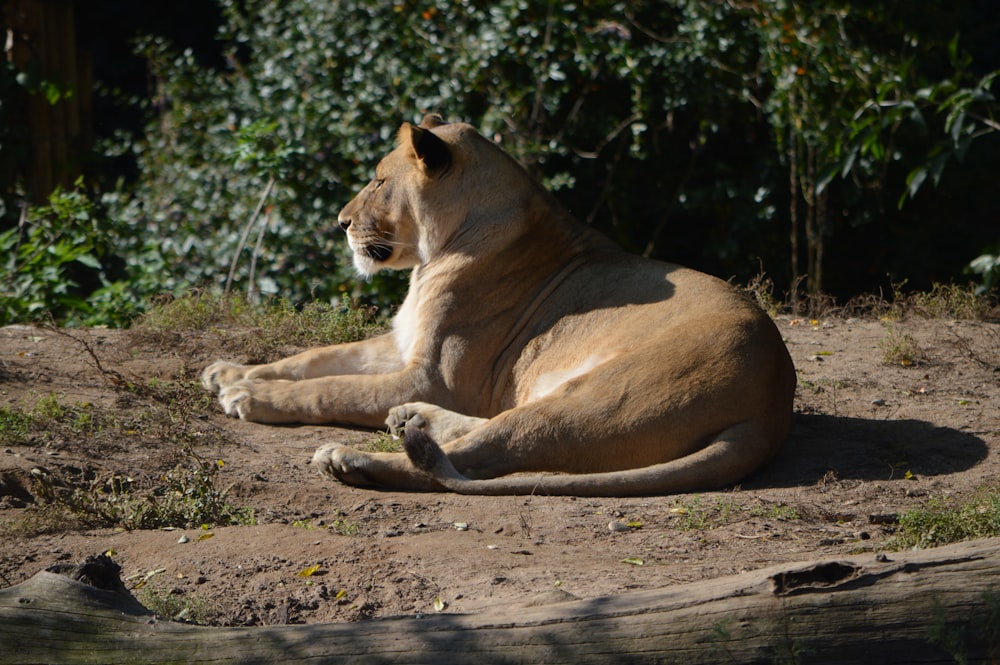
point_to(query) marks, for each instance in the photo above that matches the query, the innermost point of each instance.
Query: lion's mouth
(378, 252)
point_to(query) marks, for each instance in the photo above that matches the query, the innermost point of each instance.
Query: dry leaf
(310, 571)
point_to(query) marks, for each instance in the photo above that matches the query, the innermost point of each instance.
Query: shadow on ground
(868, 449)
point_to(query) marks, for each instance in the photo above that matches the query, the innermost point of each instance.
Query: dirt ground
(869, 441)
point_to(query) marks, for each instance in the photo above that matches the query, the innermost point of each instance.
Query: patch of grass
(943, 521)
(727, 509)
(187, 495)
(158, 416)
(943, 301)
(697, 515)
(341, 526)
(776, 511)
(164, 417)
(176, 606)
(382, 443)
(47, 420)
(900, 349)
(14, 425)
(257, 331)
(952, 301)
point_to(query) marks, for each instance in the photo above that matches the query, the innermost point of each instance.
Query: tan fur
(527, 343)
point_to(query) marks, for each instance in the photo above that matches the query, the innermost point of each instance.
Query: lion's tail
(724, 461)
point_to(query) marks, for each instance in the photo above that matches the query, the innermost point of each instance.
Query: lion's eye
(378, 183)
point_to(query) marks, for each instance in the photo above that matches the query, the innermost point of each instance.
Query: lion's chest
(405, 329)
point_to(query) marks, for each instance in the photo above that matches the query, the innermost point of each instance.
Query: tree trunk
(931, 606)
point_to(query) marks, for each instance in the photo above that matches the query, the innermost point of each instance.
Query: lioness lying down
(527, 344)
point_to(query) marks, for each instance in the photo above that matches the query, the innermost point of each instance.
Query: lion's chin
(365, 265)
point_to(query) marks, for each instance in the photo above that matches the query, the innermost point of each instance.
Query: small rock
(183, 539)
(617, 527)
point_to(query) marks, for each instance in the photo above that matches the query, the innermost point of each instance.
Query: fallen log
(930, 606)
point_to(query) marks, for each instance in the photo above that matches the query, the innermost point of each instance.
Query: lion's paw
(342, 463)
(439, 423)
(405, 415)
(222, 374)
(236, 399)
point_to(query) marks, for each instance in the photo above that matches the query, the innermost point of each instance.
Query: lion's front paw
(222, 374)
(236, 399)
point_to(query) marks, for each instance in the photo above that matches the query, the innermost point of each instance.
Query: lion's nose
(344, 222)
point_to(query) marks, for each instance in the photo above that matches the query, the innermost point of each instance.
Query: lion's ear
(431, 151)
(432, 120)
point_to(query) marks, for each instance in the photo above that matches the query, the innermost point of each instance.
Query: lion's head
(423, 194)
(386, 222)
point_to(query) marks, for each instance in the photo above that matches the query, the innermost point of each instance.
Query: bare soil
(870, 440)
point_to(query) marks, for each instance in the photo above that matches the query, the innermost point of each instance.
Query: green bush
(709, 133)
(316, 90)
(60, 263)
(727, 136)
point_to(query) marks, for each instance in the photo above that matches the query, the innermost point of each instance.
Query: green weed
(187, 495)
(943, 521)
(900, 349)
(697, 515)
(342, 527)
(776, 511)
(383, 442)
(176, 606)
(48, 420)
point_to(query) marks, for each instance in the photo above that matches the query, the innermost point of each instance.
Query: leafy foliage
(633, 112)
(56, 264)
(727, 136)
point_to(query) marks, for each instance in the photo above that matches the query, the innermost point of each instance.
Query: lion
(530, 354)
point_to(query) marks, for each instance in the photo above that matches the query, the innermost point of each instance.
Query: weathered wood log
(931, 606)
